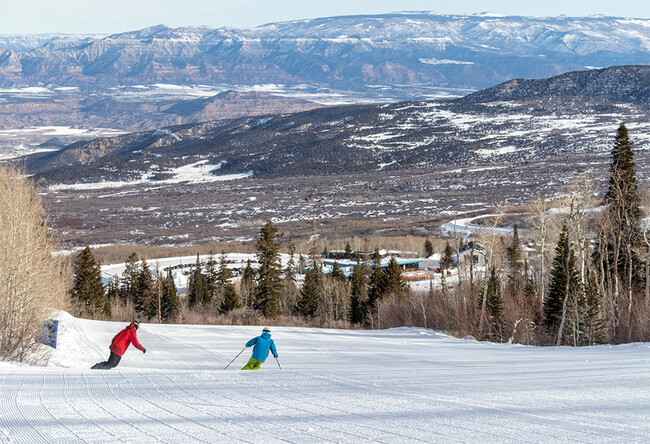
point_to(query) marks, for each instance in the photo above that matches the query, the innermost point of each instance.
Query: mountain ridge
(463, 51)
(618, 84)
(366, 138)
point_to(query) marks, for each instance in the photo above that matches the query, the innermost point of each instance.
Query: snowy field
(387, 386)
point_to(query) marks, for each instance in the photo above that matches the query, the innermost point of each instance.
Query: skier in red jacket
(119, 344)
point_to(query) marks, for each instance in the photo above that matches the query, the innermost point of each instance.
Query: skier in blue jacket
(262, 344)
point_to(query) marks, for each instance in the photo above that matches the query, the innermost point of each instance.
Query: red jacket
(123, 339)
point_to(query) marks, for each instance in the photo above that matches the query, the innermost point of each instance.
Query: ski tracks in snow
(392, 386)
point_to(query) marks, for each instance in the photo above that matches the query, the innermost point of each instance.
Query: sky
(111, 16)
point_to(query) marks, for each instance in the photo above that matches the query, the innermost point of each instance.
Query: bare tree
(542, 227)
(581, 201)
(32, 282)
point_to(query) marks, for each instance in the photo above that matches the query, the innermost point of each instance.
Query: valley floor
(388, 386)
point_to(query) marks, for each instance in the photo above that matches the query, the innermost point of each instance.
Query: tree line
(271, 289)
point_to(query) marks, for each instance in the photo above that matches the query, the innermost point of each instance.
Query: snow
(181, 279)
(198, 172)
(432, 61)
(391, 386)
(466, 225)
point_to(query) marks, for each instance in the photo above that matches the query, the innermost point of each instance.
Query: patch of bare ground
(384, 204)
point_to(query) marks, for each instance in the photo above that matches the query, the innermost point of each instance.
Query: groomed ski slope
(387, 386)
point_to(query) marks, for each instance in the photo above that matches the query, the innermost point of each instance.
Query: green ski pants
(253, 364)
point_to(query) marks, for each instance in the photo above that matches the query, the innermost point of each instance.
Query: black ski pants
(113, 360)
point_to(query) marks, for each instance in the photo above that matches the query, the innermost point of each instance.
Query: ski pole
(276, 360)
(242, 351)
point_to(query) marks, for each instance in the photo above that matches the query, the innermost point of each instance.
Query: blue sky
(109, 16)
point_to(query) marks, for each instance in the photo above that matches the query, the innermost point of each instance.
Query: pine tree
(620, 242)
(212, 290)
(515, 264)
(113, 289)
(493, 306)
(348, 250)
(146, 299)
(196, 290)
(359, 294)
(87, 286)
(446, 257)
(230, 298)
(564, 282)
(291, 293)
(428, 248)
(268, 293)
(169, 302)
(394, 283)
(377, 282)
(302, 264)
(129, 279)
(310, 293)
(595, 328)
(223, 273)
(247, 285)
(340, 293)
(337, 273)
(446, 261)
(221, 280)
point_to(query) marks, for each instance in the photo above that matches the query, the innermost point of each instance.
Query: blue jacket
(263, 344)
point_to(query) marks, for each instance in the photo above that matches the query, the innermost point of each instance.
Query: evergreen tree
(359, 294)
(446, 257)
(87, 287)
(129, 279)
(301, 264)
(394, 283)
(223, 273)
(515, 264)
(230, 298)
(348, 250)
(493, 306)
(377, 282)
(169, 302)
(113, 289)
(221, 280)
(620, 242)
(291, 293)
(212, 290)
(340, 293)
(446, 261)
(337, 273)
(428, 248)
(247, 285)
(196, 289)
(595, 328)
(146, 298)
(564, 282)
(268, 293)
(310, 293)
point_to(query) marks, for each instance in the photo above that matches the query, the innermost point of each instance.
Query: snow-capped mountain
(468, 51)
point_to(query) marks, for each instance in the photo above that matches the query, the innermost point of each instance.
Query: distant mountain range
(517, 121)
(352, 52)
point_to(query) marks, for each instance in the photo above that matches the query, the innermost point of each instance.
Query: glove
(144, 351)
(275, 356)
